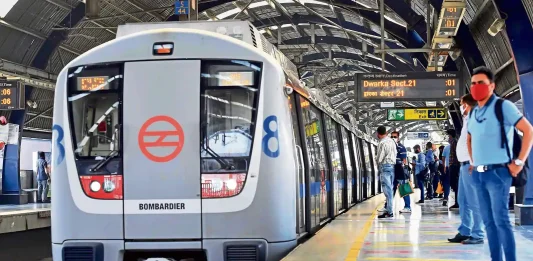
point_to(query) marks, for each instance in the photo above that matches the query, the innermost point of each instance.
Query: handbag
(405, 189)
(440, 189)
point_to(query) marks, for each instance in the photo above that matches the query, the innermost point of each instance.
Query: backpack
(521, 179)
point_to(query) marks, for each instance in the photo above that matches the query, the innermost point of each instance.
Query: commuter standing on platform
(430, 160)
(446, 175)
(386, 158)
(453, 169)
(42, 178)
(471, 228)
(420, 171)
(494, 163)
(401, 175)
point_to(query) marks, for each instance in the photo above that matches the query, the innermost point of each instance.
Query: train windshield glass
(229, 101)
(94, 98)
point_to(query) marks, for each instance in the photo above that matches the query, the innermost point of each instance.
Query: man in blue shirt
(420, 167)
(42, 179)
(400, 175)
(492, 168)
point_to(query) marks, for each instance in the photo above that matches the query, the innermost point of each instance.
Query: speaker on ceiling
(92, 8)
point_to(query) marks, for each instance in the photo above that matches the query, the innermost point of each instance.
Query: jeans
(493, 196)
(421, 184)
(386, 174)
(445, 178)
(471, 222)
(436, 180)
(42, 190)
(455, 172)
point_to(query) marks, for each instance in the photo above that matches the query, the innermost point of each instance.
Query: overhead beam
(352, 56)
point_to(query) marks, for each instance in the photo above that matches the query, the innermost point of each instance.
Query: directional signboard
(410, 86)
(418, 135)
(417, 114)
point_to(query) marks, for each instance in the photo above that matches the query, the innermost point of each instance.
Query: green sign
(395, 115)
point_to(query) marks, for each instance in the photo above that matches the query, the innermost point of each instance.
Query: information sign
(417, 114)
(181, 7)
(418, 135)
(412, 86)
(11, 95)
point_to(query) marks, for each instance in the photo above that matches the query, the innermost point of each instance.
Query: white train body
(174, 142)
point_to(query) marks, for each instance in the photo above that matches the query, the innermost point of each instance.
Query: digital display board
(412, 86)
(11, 95)
(93, 82)
(235, 78)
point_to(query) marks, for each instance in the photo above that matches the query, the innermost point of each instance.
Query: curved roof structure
(329, 40)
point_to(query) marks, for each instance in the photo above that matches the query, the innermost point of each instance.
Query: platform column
(11, 189)
(520, 37)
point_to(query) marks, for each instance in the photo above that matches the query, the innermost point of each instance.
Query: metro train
(196, 141)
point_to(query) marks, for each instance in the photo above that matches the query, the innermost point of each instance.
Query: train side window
(95, 95)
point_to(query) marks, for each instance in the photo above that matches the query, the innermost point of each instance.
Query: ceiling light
(6, 6)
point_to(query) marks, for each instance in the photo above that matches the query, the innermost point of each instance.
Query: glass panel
(228, 116)
(95, 109)
(300, 171)
(314, 142)
(349, 168)
(336, 164)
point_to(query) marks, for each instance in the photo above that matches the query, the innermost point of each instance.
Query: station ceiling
(47, 34)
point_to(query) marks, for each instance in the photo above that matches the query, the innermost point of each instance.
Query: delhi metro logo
(155, 127)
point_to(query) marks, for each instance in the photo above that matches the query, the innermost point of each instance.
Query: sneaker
(405, 210)
(444, 203)
(441, 196)
(458, 238)
(382, 210)
(386, 215)
(420, 202)
(455, 206)
(473, 241)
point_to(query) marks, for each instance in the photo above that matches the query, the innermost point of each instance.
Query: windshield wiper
(225, 164)
(104, 162)
(205, 146)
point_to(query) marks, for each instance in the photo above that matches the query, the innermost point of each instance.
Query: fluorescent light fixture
(6, 6)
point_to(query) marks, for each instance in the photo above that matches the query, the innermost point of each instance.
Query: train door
(377, 180)
(317, 162)
(337, 169)
(161, 150)
(300, 172)
(356, 178)
(348, 160)
(368, 169)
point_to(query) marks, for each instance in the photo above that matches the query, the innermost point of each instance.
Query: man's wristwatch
(518, 162)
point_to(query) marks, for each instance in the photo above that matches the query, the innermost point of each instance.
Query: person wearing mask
(453, 169)
(386, 158)
(420, 168)
(400, 175)
(471, 228)
(430, 161)
(494, 163)
(42, 178)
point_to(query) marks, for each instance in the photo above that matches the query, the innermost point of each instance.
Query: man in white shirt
(386, 158)
(471, 228)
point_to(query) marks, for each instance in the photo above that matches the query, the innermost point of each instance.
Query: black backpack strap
(498, 107)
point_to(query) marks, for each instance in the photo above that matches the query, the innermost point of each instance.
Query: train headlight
(232, 184)
(95, 186)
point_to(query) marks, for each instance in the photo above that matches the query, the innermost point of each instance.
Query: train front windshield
(228, 97)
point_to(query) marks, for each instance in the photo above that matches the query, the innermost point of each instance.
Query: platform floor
(419, 236)
(10, 210)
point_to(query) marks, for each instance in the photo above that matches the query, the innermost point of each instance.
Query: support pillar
(11, 189)
(520, 36)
